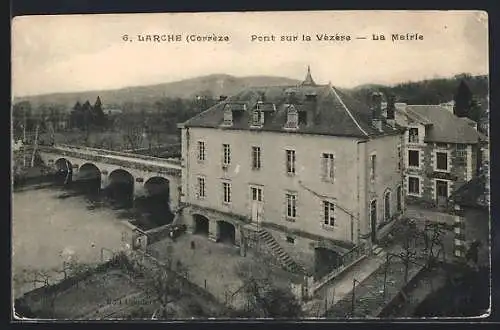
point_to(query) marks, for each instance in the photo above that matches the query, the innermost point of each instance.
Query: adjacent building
(307, 171)
(441, 151)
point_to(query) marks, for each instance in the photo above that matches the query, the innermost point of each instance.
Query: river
(53, 224)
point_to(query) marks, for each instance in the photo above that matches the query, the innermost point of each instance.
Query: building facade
(441, 151)
(308, 165)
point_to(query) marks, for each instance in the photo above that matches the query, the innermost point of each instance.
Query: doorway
(441, 193)
(256, 203)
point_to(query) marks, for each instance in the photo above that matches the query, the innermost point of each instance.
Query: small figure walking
(192, 245)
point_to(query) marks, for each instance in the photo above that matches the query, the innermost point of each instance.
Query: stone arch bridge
(144, 173)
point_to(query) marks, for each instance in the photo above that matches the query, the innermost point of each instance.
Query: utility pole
(353, 298)
(385, 274)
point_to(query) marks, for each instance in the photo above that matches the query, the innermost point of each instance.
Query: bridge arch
(121, 187)
(89, 178)
(157, 185)
(89, 171)
(64, 170)
(156, 201)
(62, 164)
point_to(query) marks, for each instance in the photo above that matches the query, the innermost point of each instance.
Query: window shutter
(323, 166)
(332, 168)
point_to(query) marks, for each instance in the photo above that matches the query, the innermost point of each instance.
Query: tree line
(470, 93)
(134, 120)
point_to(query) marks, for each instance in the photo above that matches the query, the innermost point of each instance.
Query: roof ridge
(347, 110)
(206, 110)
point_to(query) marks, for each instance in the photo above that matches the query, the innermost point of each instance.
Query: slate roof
(472, 193)
(335, 112)
(444, 126)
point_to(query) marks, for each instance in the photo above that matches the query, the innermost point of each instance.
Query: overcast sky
(87, 52)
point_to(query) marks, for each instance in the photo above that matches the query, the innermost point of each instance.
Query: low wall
(331, 276)
(39, 294)
(158, 233)
(401, 296)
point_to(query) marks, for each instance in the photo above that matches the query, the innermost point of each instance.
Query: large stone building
(309, 170)
(441, 151)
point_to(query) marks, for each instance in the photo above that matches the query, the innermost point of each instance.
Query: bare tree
(263, 297)
(164, 288)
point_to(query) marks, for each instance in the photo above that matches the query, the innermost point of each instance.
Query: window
(201, 187)
(227, 154)
(328, 166)
(442, 161)
(413, 135)
(292, 117)
(256, 194)
(290, 161)
(256, 162)
(201, 151)
(329, 213)
(461, 154)
(387, 206)
(291, 205)
(400, 158)
(257, 118)
(226, 186)
(413, 185)
(399, 199)
(413, 158)
(373, 165)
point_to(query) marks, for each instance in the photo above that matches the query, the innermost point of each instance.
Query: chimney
(391, 107)
(449, 106)
(377, 111)
(400, 106)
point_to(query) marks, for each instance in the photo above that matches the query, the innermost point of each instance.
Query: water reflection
(146, 212)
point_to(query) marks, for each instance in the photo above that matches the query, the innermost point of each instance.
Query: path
(338, 288)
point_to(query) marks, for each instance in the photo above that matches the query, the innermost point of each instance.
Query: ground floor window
(226, 186)
(414, 185)
(387, 206)
(291, 205)
(329, 213)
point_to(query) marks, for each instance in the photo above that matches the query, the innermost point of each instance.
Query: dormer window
(228, 117)
(257, 118)
(292, 120)
(259, 106)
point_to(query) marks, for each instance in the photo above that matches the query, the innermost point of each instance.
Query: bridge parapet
(117, 153)
(167, 169)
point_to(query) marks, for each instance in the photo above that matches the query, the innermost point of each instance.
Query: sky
(52, 54)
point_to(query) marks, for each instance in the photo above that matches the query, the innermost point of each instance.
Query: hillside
(212, 85)
(432, 91)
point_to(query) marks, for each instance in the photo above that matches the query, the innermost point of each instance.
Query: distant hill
(212, 85)
(431, 91)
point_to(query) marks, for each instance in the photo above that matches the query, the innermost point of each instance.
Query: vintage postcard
(281, 165)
